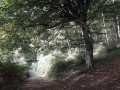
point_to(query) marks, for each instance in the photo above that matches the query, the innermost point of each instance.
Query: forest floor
(105, 77)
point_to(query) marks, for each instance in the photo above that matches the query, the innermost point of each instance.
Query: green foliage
(99, 49)
(26, 22)
(59, 66)
(107, 56)
(12, 73)
(111, 46)
(80, 59)
(105, 47)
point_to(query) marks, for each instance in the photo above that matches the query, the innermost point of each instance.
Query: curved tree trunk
(89, 47)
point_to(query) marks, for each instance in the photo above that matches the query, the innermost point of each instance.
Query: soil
(105, 77)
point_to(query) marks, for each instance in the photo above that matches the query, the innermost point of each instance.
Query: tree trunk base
(89, 70)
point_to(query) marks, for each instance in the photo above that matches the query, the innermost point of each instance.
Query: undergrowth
(107, 56)
(105, 53)
(12, 73)
(60, 66)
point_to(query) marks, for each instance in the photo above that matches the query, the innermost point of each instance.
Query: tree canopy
(28, 21)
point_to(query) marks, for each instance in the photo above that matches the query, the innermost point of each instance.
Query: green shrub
(12, 73)
(79, 59)
(57, 66)
(75, 63)
(107, 56)
(111, 46)
(100, 48)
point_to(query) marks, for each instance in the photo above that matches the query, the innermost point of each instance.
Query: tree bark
(104, 27)
(118, 27)
(89, 47)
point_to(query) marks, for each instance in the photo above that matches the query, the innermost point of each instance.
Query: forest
(59, 44)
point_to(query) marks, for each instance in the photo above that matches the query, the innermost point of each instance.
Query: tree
(110, 16)
(49, 14)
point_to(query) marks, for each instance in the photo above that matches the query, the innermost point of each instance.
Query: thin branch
(56, 34)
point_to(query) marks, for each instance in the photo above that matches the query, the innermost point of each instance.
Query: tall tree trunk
(77, 36)
(104, 27)
(118, 27)
(89, 47)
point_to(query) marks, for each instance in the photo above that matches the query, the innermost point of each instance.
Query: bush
(104, 48)
(75, 63)
(79, 59)
(59, 65)
(12, 73)
(107, 56)
(111, 46)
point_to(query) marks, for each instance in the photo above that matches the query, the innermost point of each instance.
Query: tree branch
(46, 25)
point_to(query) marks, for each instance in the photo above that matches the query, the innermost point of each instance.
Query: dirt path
(106, 77)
